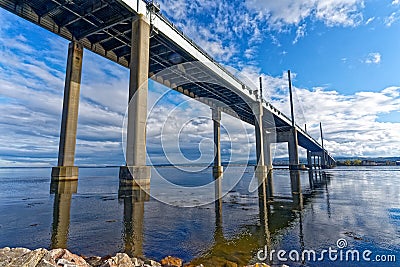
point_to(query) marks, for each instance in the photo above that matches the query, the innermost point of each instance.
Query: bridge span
(134, 34)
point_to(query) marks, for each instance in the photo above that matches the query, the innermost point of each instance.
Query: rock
(171, 262)
(151, 263)
(94, 261)
(119, 260)
(230, 264)
(137, 262)
(258, 265)
(7, 255)
(28, 259)
(62, 257)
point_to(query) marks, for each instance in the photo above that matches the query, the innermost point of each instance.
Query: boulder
(137, 262)
(94, 261)
(62, 257)
(7, 255)
(28, 259)
(230, 264)
(151, 263)
(171, 262)
(258, 265)
(119, 260)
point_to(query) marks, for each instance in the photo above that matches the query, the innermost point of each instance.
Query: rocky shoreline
(23, 257)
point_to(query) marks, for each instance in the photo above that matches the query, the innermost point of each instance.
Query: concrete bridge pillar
(69, 123)
(258, 114)
(216, 116)
(293, 150)
(267, 151)
(136, 172)
(268, 163)
(260, 170)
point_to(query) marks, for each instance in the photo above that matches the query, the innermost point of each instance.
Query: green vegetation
(359, 162)
(348, 162)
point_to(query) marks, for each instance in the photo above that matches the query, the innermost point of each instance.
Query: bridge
(134, 34)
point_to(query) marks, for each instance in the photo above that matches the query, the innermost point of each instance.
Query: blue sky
(344, 55)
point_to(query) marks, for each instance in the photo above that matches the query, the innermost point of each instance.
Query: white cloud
(396, 2)
(31, 92)
(351, 125)
(369, 20)
(373, 58)
(300, 32)
(389, 21)
(293, 12)
(215, 25)
(220, 23)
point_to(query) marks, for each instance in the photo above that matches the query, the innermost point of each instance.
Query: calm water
(360, 205)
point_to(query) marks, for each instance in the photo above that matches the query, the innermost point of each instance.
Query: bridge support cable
(293, 140)
(324, 156)
(69, 123)
(309, 161)
(136, 173)
(293, 146)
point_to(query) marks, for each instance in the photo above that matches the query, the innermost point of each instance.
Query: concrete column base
(218, 170)
(135, 176)
(261, 170)
(64, 173)
(297, 167)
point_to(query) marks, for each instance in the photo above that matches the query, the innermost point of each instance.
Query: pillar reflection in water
(328, 203)
(301, 238)
(296, 190)
(270, 185)
(134, 198)
(311, 179)
(265, 194)
(62, 191)
(218, 234)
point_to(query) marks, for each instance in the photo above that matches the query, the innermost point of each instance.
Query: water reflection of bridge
(275, 213)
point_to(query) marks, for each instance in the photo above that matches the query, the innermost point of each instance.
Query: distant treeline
(359, 162)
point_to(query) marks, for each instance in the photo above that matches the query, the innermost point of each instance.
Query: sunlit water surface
(360, 205)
